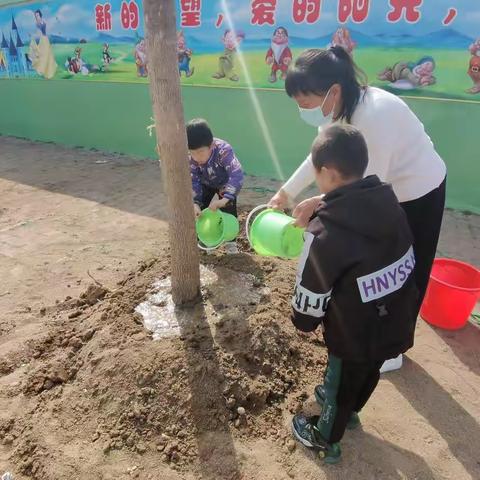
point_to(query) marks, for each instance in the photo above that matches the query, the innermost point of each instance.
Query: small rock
(160, 448)
(88, 335)
(291, 445)
(8, 440)
(75, 343)
(75, 314)
(59, 376)
(48, 385)
(43, 311)
(237, 423)
(231, 402)
(241, 411)
(141, 448)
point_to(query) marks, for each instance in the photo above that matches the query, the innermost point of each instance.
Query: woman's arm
(299, 181)
(302, 178)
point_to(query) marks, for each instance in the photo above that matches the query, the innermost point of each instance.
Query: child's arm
(313, 286)
(235, 174)
(196, 184)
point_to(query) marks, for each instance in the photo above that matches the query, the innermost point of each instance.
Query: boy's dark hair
(343, 148)
(198, 134)
(316, 70)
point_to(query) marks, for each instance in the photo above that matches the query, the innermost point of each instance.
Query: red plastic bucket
(452, 293)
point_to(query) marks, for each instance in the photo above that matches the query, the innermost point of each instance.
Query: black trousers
(425, 219)
(209, 193)
(348, 387)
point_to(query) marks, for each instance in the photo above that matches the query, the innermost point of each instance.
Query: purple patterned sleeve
(234, 171)
(196, 182)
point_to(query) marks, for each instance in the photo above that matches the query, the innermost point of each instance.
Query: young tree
(160, 25)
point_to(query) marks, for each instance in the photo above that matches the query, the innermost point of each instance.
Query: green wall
(114, 117)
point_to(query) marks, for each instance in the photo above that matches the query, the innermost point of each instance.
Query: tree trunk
(160, 25)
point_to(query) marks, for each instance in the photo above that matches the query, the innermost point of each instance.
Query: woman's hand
(304, 210)
(279, 201)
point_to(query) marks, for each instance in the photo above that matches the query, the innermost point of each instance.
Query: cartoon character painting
(40, 53)
(342, 38)
(141, 59)
(474, 67)
(410, 75)
(106, 57)
(226, 63)
(184, 55)
(279, 55)
(76, 64)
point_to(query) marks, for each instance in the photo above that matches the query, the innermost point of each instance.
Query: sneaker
(320, 395)
(392, 364)
(231, 248)
(306, 432)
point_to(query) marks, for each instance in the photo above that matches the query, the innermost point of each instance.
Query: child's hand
(216, 204)
(197, 210)
(304, 211)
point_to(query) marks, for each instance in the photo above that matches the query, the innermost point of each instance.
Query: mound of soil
(97, 385)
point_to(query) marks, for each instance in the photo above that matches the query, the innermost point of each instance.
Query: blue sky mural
(77, 19)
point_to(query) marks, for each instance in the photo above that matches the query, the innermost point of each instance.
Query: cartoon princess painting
(40, 52)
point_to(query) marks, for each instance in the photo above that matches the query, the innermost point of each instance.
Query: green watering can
(216, 227)
(272, 233)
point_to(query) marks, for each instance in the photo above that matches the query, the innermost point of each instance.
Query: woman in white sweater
(327, 88)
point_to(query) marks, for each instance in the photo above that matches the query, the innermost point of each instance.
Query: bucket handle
(250, 215)
(209, 249)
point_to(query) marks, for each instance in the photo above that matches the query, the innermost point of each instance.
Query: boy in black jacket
(355, 277)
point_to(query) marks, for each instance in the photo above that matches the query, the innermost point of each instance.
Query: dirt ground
(86, 394)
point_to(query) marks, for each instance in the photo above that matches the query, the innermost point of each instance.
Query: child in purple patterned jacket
(215, 171)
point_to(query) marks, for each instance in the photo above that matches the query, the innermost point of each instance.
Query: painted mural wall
(423, 47)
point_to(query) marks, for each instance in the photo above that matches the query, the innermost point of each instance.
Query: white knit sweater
(400, 151)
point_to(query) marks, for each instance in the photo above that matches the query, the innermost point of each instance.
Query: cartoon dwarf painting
(141, 59)
(342, 38)
(226, 62)
(410, 75)
(184, 55)
(279, 55)
(474, 67)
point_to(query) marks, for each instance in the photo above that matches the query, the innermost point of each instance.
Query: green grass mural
(452, 80)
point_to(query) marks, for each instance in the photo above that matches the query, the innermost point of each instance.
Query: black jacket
(356, 274)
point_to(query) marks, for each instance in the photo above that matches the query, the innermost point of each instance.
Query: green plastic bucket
(215, 227)
(272, 234)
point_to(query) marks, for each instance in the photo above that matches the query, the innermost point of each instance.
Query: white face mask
(315, 116)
